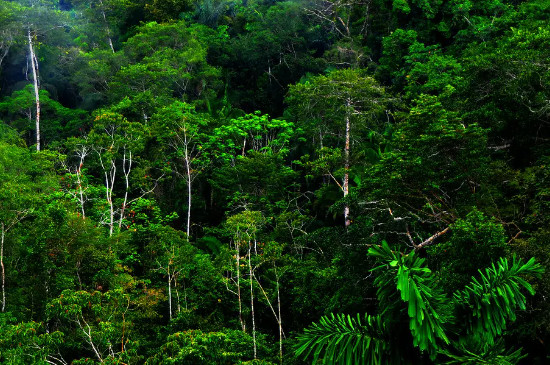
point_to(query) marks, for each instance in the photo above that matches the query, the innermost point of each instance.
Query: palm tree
(463, 329)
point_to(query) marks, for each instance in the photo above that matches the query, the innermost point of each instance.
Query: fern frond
(490, 301)
(343, 339)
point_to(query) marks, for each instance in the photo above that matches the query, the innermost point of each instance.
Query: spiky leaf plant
(473, 318)
(489, 302)
(476, 353)
(343, 339)
(417, 288)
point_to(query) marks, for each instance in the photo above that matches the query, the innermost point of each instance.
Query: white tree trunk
(34, 66)
(82, 154)
(110, 199)
(252, 297)
(126, 169)
(169, 291)
(277, 314)
(345, 186)
(279, 319)
(107, 29)
(109, 184)
(243, 325)
(3, 269)
(189, 182)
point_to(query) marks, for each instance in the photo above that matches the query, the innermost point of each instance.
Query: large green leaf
(343, 339)
(416, 286)
(490, 301)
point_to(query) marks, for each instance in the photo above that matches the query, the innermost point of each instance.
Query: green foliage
(100, 322)
(493, 299)
(184, 131)
(324, 101)
(474, 242)
(197, 347)
(27, 342)
(434, 164)
(177, 69)
(483, 353)
(57, 121)
(417, 287)
(479, 314)
(252, 132)
(251, 126)
(343, 339)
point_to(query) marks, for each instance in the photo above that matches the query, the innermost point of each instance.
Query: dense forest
(274, 182)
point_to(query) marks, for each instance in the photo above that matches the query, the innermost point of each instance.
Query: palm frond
(343, 339)
(490, 301)
(476, 353)
(417, 287)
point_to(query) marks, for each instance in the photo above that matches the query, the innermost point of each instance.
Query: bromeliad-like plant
(461, 329)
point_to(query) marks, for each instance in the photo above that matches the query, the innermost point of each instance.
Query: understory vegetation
(274, 182)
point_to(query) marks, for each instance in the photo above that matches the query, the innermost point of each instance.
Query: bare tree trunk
(189, 182)
(279, 320)
(277, 314)
(169, 291)
(3, 269)
(107, 26)
(252, 297)
(126, 171)
(82, 154)
(109, 181)
(177, 295)
(34, 65)
(345, 186)
(243, 325)
(188, 202)
(88, 336)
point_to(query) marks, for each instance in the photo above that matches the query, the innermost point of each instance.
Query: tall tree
(116, 142)
(184, 130)
(41, 23)
(337, 110)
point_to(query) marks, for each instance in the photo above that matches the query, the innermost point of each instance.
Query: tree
(100, 320)
(183, 129)
(197, 347)
(250, 154)
(105, 17)
(9, 29)
(13, 207)
(29, 343)
(57, 121)
(173, 256)
(116, 140)
(39, 20)
(336, 111)
(350, 23)
(245, 227)
(166, 61)
(429, 176)
(23, 181)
